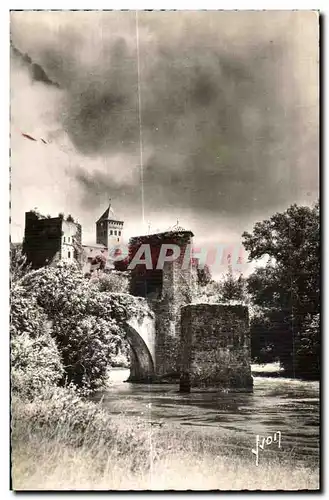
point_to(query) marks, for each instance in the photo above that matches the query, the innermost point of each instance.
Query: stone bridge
(198, 345)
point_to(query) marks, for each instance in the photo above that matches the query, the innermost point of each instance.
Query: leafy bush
(35, 364)
(25, 313)
(87, 345)
(207, 294)
(35, 360)
(111, 282)
(86, 323)
(18, 263)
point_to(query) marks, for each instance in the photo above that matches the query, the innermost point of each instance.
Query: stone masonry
(215, 347)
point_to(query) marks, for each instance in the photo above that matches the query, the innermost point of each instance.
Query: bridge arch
(141, 338)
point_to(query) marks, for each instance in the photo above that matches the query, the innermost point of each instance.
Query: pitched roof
(109, 215)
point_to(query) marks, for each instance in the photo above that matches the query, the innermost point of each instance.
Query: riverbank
(66, 444)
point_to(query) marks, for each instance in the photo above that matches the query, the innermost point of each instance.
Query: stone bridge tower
(166, 290)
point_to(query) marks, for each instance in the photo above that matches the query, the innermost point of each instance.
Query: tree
(308, 347)
(288, 287)
(204, 275)
(231, 287)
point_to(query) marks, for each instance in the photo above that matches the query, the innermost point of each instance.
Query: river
(277, 404)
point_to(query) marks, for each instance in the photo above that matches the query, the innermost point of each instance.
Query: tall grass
(63, 443)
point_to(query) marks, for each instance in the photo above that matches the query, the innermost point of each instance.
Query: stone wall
(215, 347)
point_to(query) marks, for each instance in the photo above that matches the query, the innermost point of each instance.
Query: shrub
(111, 282)
(86, 323)
(25, 314)
(86, 345)
(35, 364)
(18, 263)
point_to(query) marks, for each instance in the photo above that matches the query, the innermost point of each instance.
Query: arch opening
(141, 362)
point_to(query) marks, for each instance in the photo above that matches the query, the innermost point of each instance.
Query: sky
(227, 113)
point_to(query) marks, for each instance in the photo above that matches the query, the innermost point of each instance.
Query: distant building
(49, 238)
(109, 230)
(55, 238)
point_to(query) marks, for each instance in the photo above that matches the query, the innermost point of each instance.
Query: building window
(119, 233)
(118, 240)
(64, 239)
(111, 232)
(115, 233)
(69, 254)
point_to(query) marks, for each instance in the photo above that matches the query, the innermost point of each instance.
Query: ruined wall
(215, 347)
(42, 239)
(48, 237)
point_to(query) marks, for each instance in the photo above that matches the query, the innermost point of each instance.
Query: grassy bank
(63, 443)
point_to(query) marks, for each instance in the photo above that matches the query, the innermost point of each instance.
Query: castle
(55, 238)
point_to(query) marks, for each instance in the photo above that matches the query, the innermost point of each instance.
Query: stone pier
(215, 348)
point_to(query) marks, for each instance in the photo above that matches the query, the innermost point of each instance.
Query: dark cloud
(96, 185)
(225, 128)
(37, 73)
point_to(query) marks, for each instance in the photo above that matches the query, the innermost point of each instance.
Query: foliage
(35, 360)
(111, 282)
(208, 294)
(35, 364)
(308, 347)
(263, 343)
(288, 287)
(86, 322)
(232, 288)
(204, 275)
(18, 263)
(25, 314)
(227, 290)
(87, 344)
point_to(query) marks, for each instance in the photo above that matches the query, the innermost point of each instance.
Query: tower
(109, 229)
(49, 238)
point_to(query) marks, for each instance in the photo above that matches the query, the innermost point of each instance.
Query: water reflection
(288, 405)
